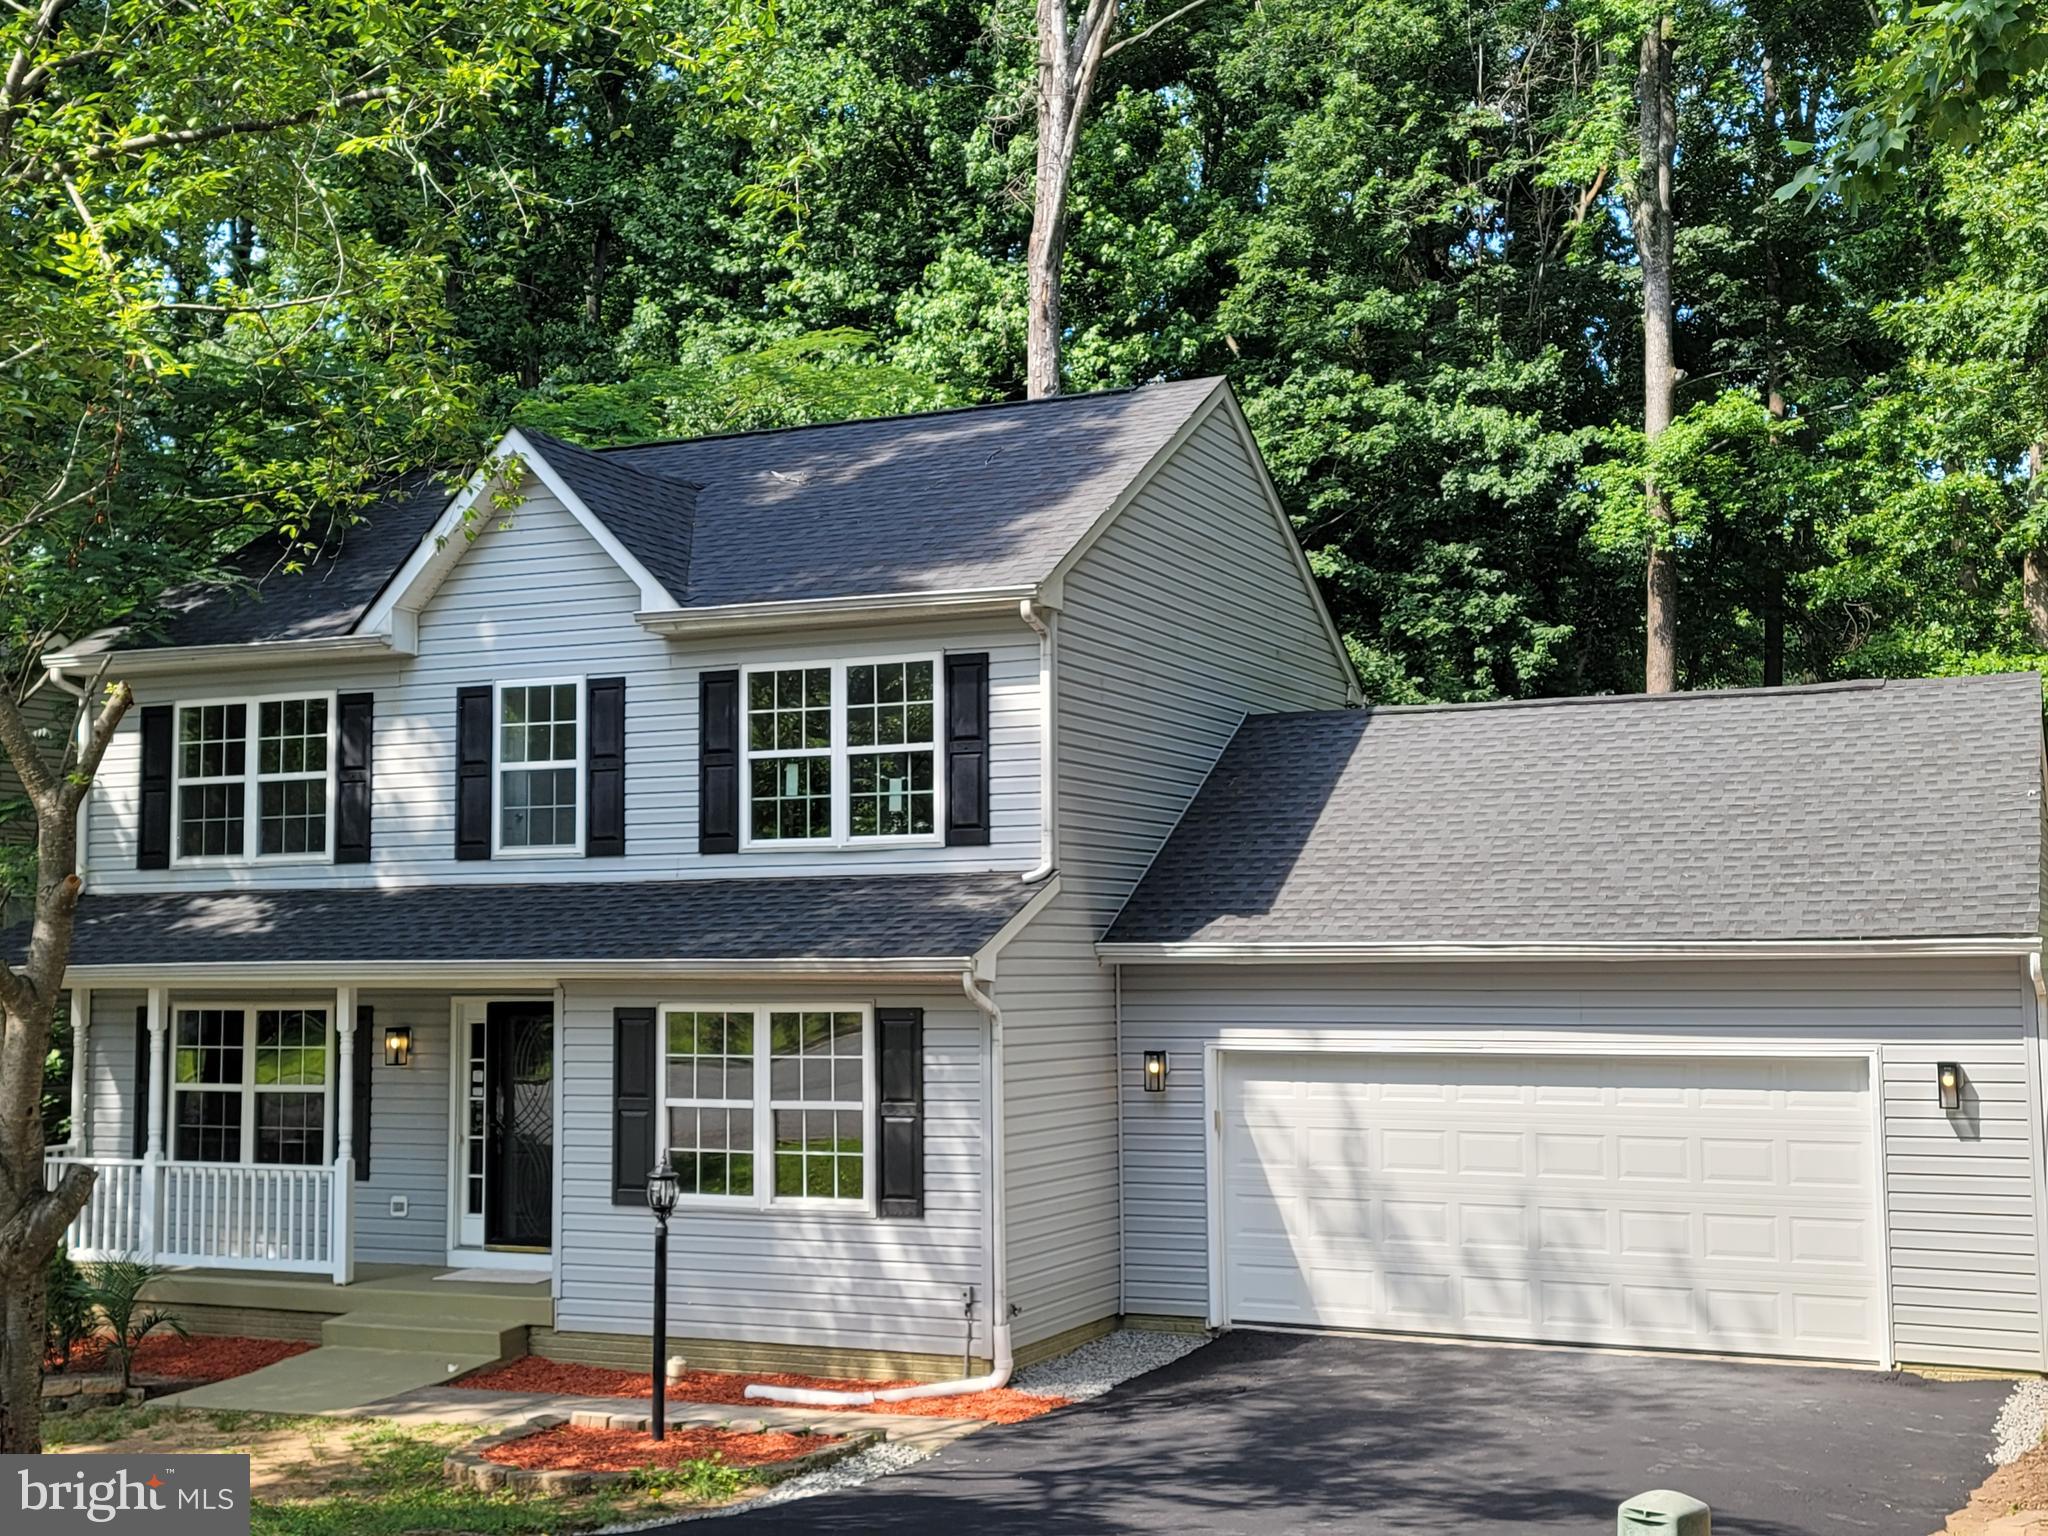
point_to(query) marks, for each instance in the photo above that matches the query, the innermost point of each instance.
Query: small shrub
(115, 1289)
(68, 1315)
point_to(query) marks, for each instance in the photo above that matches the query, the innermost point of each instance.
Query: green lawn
(358, 1477)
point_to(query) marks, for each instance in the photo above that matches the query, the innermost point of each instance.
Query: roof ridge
(543, 439)
(932, 414)
(1690, 695)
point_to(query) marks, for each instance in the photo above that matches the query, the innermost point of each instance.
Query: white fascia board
(429, 564)
(984, 965)
(192, 658)
(1329, 954)
(469, 974)
(831, 612)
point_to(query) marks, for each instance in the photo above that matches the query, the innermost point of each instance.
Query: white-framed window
(769, 1105)
(538, 740)
(253, 779)
(841, 753)
(252, 1083)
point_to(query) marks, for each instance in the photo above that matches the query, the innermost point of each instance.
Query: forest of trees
(1406, 231)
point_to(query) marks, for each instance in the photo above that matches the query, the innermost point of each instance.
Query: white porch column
(81, 1058)
(344, 1197)
(157, 1018)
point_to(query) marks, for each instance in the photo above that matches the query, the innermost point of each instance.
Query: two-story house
(948, 843)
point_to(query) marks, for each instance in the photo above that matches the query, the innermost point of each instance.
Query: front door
(507, 1157)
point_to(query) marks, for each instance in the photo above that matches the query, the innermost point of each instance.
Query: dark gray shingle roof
(318, 603)
(840, 918)
(1853, 811)
(652, 514)
(989, 496)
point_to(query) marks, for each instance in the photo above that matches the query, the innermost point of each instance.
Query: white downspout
(1048, 797)
(998, 1261)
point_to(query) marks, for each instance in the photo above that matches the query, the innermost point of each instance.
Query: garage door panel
(1656, 1201)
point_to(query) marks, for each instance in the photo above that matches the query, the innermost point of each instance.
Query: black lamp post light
(661, 1200)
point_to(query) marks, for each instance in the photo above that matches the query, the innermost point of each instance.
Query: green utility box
(1665, 1513)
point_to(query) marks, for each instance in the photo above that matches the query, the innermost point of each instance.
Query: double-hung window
(842, 753)
(254, 779)
(251, 1085)
(540, 767)
(769, 1106)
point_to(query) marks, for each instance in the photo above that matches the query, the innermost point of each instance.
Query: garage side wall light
(1155, 1071)
(1948, 1084)
(398, 1047)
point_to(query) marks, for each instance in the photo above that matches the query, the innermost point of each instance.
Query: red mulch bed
(558, 1378)
(568, 1449)
(199, 1359)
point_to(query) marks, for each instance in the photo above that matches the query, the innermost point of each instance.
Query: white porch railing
(213, 1215)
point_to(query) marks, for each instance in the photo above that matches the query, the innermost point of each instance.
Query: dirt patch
(195, 1361)
(568, 1449)
(298, 1459)
(561, 1379)
(2021, 1485)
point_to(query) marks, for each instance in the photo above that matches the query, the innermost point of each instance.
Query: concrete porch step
(390, 1328)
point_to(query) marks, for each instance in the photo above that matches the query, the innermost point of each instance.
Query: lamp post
(661, 1200)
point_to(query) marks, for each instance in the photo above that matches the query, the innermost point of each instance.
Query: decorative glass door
(506, 1107)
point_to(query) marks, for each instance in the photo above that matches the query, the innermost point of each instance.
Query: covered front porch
(307, 1133)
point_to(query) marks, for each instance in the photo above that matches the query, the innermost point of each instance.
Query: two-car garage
(1704, 1203)
(1704, 1022)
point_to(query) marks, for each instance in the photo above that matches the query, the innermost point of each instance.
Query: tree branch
(179, 138)
(1138, 37)
(20, 745)
(119, 698)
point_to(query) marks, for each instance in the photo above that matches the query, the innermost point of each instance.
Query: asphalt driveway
(1264, 1433)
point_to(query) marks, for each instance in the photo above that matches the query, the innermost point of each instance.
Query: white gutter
(543, 973)
(190, 658)
(828, 612)
(1041, 622)
(1323, 954)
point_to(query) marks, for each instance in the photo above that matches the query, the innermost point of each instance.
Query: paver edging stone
(471, 1468)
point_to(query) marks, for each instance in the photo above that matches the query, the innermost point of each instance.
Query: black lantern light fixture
(1155, 1071)
(662, 1189)
(1948, 1084)
(398, 1046)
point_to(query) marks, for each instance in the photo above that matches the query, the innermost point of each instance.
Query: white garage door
(1724, 1205)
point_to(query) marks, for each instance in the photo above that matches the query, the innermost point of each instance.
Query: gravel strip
(862, 1466)
(1103, 1363)
(2020, 1423)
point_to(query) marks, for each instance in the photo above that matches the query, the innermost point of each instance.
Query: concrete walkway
(330, 1379)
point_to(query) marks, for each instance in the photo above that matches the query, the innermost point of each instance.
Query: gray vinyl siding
(1188, 613)
(408, 1116)
(848, 1281)
(538, 600)
(408, 1135)
(1961, 1191)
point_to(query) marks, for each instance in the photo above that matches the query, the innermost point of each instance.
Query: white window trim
(252, 796)
(572, 850)
(842, 779)
(764, 1197)
(249, 1087)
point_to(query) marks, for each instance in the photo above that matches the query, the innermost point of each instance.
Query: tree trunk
(32, 1220)
(1058, 110)
(2034, 568)
(1658, 134)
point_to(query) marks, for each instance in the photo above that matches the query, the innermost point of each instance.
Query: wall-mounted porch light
(1155, 1071)
(1948, 1084)
(398, 1046)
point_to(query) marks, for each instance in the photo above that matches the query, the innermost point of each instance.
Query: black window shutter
(138, 1134)
(473, 772)
(359, 1085)
(604, 832)
(153, 844)
(967, 750)
(632, 1104)
(718, 762)
(899, 1058)
(352, 778)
